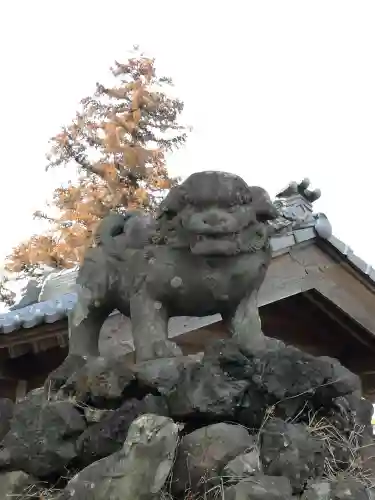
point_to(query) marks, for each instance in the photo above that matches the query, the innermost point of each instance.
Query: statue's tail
(111, 226)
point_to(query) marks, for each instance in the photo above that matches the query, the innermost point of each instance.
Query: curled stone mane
(216, 187)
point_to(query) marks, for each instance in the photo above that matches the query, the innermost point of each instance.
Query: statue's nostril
(212, 219)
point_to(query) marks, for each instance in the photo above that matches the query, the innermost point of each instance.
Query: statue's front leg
(83, 345)
(245, 325)
(149, 320)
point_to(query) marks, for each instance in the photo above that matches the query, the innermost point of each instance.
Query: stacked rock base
(273, 423)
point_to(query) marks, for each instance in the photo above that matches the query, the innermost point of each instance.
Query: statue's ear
(263, 205)
(172, 203)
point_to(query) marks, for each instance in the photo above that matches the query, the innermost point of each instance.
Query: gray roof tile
(282, 242)
(342, 247)
(371, 274)
(49, 311)
(305, 234)
(359, 263)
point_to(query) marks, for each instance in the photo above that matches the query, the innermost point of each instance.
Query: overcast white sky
(275, 90)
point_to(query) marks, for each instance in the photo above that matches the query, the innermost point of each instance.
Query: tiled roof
(298, 223)
(57, 284)
(48, 311)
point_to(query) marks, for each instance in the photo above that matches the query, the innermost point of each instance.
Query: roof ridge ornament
(301, 189)
(295, 206)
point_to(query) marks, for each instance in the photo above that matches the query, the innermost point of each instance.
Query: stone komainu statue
(206, 251)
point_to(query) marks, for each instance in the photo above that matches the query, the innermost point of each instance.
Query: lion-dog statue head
(216, 213)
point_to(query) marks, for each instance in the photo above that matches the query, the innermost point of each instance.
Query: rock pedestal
(272, 423)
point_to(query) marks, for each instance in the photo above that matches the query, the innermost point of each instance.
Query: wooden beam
(338, 320)
(15, 351)
(335, 255)
(31, 335)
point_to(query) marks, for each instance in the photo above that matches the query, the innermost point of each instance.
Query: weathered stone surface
(245, 465)
(229, 383)
(260, 488)
(349, 489)
(233, 383)
(344, 382)
(16, 484)
(350, 414)
(69, 367)
(203, 454)
(289, 450)
(137, 472)
(41, 439)
(95, 415)
(341, 489)
(351, 410)
(101, 382)
(318, 490)
(281, 376)
(108, 436)
(205, 389)
(6, 412)
(164, 374)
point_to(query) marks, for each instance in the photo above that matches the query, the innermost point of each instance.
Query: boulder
(289, 450)
(108, 435)
(42, 435)
(205, 390)
(137, 472)
(341, 489)
(101, 382)
(351, 416)
(203, 454)
(71, 365)
(95, 415)
(318, 490)
(164, 374)
(260, 488)
(16, 484)
(281, 376)
(245, 465)
(349, 489)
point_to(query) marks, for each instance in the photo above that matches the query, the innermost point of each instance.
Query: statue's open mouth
(215, 244)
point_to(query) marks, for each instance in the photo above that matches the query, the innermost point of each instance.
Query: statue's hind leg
(244, 323)
(150, 328)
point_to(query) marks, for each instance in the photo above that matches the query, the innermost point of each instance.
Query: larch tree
(118, 143)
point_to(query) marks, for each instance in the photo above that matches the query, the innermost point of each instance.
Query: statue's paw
(58, 377)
